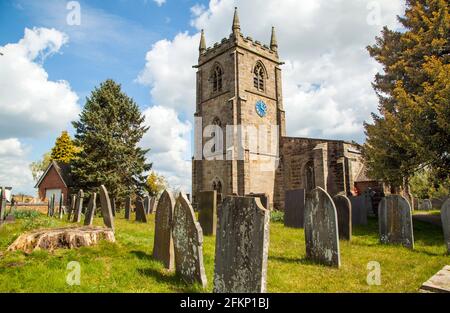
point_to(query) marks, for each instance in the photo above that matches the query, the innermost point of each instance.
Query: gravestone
(359, 210)
(344, 216)
(395, 221)
(425, 205)
(445, 218)
(113, 206)
(51, 206)
(72, 207)
(188, 243)
(90, 212)
(163, 249)
(140, 211)
(105, 203)
(294, 208)
(147, 204)
(61, 206)
(78, 207)
(153, 204)
(2, 205)
(439, 283)
(242, 246)
(207, 212)
(264, 198)
(127, 208)
(321, 229)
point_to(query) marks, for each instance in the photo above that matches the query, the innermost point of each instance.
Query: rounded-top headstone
(163, 243)
(344, 216)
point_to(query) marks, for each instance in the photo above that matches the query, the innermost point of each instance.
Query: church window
(217, 185)
(258, 77)
(217, 78)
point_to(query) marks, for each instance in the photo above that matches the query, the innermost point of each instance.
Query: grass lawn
(127, 265)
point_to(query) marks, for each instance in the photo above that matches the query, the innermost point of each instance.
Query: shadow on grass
(299, 261)
(142, 255)
(173, 279)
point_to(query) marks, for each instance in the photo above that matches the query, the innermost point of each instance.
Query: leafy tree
(156, 183)
(425, 186)
(108, 132)
(38, 167)
(64, 149)
(412, 130)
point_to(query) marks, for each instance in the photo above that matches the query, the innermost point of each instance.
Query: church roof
(363, 176)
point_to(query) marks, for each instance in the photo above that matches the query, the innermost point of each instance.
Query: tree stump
(61, 238)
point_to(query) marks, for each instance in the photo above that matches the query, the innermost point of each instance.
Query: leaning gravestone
(207, 212)
(395, 221)
(2, 205)
(294, 208)
(188, 243)
(163, 243)
(242, 246)
(359, 210)
(344, 216)
(127, 208)
(90, 212)
(140, 211)
(321, 229)
(108, 217)
(72, 207)
(445, 218)
(78, 207)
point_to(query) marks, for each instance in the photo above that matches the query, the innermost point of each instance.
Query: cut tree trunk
(61, 238)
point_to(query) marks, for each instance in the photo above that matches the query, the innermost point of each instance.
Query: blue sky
(49, 68)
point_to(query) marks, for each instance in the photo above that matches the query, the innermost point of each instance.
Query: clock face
(261, 108)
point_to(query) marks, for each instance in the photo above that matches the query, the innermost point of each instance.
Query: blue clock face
(261, 108)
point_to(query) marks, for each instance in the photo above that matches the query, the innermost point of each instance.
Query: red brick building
(55, 180)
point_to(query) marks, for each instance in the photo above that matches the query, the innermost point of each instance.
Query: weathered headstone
(359, 210)
(439, 283)
(153, 204)
(72, 207)
(321, 229)
(113, 206)
(163, 249)
(51, 206)
(294, 208)
(445, 218)
(344, 216)
(395, 221)
(78, 207)
(147, 204)
(242, 246)
(2, 205)
(61, 206)
(207, 212)
(188, 243)
(127, 208)
(425, 205)
(90, 212)
(108, 217)
(140, 211)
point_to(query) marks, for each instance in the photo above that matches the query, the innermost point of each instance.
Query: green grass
(127, 265)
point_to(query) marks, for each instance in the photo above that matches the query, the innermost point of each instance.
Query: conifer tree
(412, 130)
(108, 132)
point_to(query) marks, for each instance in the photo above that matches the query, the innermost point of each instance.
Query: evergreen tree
(413, 129)
(64, 149)
(108, 132)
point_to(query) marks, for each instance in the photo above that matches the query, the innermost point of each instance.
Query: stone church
(239, 83)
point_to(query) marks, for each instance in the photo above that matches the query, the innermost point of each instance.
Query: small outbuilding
(56, 180)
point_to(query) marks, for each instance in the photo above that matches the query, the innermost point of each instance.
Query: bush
(26, 214)
(277, 216)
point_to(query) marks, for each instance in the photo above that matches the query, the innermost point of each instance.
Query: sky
(56, 52)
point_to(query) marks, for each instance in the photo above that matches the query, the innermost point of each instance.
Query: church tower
(238, 92)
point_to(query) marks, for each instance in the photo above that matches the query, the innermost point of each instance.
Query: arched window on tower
(217, 77)
(258, 77)
(217, 185)
(216, 121)
(310, 176)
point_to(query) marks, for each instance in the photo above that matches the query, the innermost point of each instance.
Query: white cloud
(32, 104)
(327, 73)
(159, 2)
(14, 170)
(169, 140)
